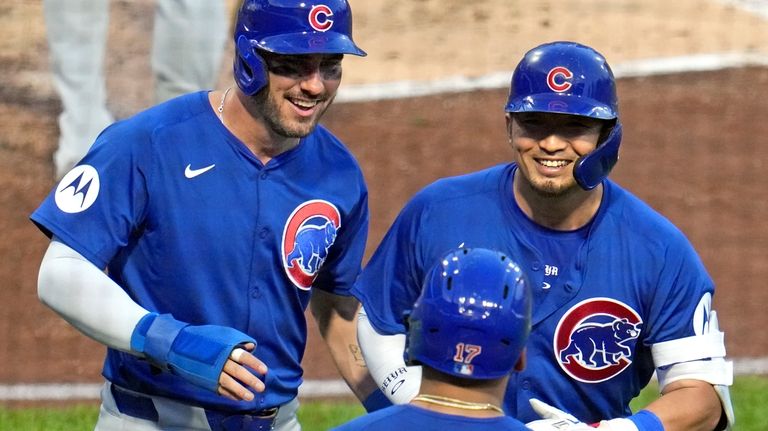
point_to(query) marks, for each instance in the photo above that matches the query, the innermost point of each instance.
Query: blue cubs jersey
(410, 417)
(634, 281)
(189, 222)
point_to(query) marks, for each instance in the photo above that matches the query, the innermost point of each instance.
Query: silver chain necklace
(220, 109)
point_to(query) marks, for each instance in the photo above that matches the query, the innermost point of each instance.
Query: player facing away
(618, 291)
(218, 215)
(468, 330)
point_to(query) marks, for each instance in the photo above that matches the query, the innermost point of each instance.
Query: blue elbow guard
(195, 353)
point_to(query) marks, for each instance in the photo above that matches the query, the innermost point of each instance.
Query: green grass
(749, 394)
(81, 417)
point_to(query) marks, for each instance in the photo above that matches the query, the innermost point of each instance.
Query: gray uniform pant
(187, 48)
(176, 416)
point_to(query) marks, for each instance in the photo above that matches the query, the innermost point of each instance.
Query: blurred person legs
(188, 45)
(77, 36)
(187, 48)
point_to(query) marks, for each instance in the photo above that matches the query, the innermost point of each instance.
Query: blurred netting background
(427, 102)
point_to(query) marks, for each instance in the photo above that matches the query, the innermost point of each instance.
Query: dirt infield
(694, 148)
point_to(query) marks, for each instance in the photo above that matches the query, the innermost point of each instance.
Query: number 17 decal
(465, 353)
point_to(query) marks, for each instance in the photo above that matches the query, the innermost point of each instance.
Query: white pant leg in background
(77, 37)
(188, 44)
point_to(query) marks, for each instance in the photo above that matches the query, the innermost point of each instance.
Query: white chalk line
(309, 389)
(629, 69)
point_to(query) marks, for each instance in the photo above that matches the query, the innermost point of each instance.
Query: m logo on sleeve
(78, 190)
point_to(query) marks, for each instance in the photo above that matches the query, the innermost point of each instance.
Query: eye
(530, 122)
(331, 68)
(285, 67)
(296, 67)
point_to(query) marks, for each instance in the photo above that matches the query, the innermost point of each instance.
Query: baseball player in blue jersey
(217, 215)
(618, 292)
(468, 330)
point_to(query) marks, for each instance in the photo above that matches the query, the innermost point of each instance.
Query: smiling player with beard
(217, 216)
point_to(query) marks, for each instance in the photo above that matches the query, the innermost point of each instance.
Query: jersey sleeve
(339, 272)
(682, 300)
(391, 282)
(99, 203)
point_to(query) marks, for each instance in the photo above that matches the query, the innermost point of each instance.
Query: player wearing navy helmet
(618, 291)
(467, 329)
(217, 215)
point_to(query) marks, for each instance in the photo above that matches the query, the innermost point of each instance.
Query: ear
(520, 365)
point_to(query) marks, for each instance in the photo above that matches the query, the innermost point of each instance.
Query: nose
(312, 82)
(553, 143)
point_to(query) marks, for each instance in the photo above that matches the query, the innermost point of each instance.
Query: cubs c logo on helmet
(558, 79)
(319, 17)
(595, 339)
(308, 234)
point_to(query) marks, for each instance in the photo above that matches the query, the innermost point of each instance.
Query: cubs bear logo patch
(595, 339)
(308, 235)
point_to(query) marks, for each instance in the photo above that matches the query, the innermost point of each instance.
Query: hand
(557, 425)
(558, 420)
(554, 419)
(237, 373)
(199, 354)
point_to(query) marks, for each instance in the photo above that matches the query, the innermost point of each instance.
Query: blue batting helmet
(473, 316)
(570, 78)
(288, 27)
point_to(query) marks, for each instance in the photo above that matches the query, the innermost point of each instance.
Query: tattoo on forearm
(357, 355)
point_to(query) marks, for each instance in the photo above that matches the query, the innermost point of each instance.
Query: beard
(267, 107)
(548, 188)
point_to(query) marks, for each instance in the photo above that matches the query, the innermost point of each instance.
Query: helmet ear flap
(250, 68)
(592, 168)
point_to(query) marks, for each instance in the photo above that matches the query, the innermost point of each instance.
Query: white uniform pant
(187, 47)
(176, 416)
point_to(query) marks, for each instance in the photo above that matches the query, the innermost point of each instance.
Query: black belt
(142, 407)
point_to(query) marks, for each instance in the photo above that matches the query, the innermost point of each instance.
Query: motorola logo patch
(78, 190)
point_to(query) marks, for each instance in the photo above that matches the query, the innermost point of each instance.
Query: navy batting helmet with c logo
(570, 78)
(288, 27)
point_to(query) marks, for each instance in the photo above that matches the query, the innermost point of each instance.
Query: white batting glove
(554, 419)
(558, 420)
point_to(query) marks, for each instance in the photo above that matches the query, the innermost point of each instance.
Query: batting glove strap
(646, 420)
(195, 353)
(164, 329)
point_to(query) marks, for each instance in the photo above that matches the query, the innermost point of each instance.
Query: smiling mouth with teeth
(305, 104)
(553, 163)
